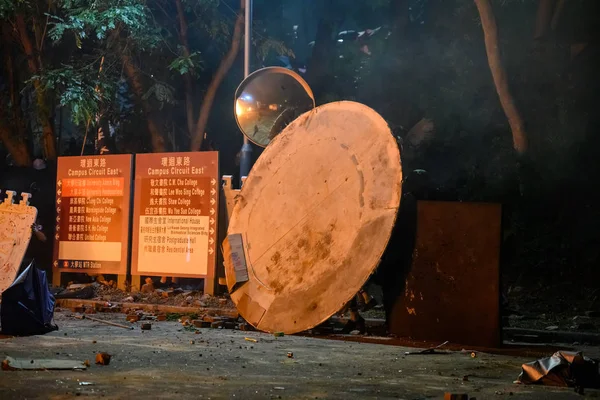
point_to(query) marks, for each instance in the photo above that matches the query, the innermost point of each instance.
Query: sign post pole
(246, 152)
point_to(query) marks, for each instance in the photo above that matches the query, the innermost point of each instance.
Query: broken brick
(453, 396)
(103, 358)
(161, 317)
(216, 324)
(132, 318)
(210, 318)
(246, 327)
(146, 326)
(147, 288)
(198, 323)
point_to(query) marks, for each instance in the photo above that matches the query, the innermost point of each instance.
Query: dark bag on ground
(27, 305)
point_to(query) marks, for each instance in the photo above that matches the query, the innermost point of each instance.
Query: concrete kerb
(156, 308)
(540, 336)
(516, 334)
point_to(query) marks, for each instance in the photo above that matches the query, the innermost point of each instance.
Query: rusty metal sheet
(452, 290)
(315, 216)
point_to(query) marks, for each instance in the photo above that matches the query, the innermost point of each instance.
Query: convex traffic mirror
(268, 100)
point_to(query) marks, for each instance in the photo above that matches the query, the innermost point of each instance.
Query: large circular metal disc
(315, 216)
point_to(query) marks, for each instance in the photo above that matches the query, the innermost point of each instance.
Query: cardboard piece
(236, 268)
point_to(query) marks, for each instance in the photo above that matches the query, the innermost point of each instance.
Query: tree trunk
(557, 14)
(543, 18)
(158, 141)
(187, 78)
(211, 92)
(35, 67)
(490, 31)
(16, 147)
(18, 122)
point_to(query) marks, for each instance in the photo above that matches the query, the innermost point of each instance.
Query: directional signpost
(175, 216)
(92, 215)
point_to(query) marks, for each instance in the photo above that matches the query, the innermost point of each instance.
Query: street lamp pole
(246, 152)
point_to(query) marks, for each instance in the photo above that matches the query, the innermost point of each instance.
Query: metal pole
(247, 37)
(246, 152)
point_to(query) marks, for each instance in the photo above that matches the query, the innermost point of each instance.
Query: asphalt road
(170, 362)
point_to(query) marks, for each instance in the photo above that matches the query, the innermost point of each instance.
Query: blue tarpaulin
(27, 306)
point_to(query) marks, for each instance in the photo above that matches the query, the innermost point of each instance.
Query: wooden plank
(16, 221)
(315, 216)
(10, 364)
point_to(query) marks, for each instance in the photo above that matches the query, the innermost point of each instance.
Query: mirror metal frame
(267, 71)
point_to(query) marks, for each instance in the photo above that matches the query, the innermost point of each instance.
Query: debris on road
(472, 353)
(290, 354)
(76, 292)
(103, 358)
(148, 286)
(246, 327)
(146, 326)
(564, 368)
(431, 350)
(217, 325)
(132, 318)
(103, 322)
(17, 364)
(453, 396)
(198, 323)
(250, 340)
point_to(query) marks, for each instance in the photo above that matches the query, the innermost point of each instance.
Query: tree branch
(48, 137)
(211, 92)
(158, 141)
(557, 14)
(187, 77)
(543, 18)
(41, 45)
(16, 148)
(490, 31)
